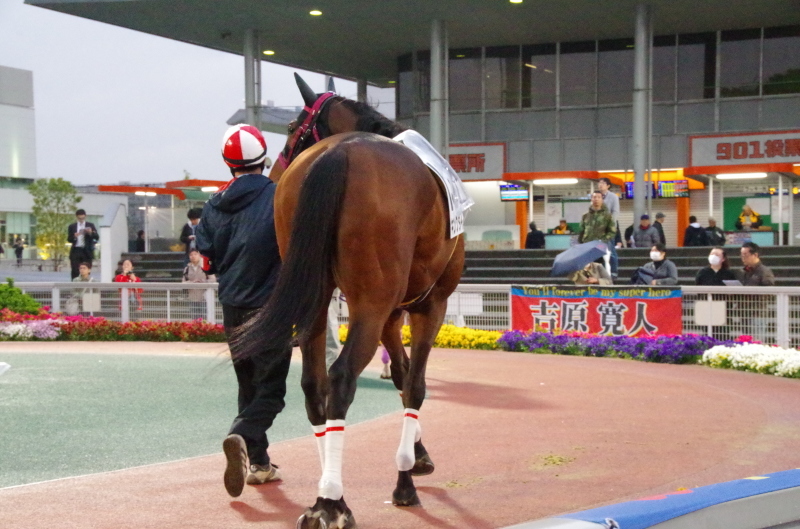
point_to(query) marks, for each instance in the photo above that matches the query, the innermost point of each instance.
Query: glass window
(781, 73)
(502, 77)
(696, 65)
(577, 73)
(423, 78)
(615, 71)
(465, 79)
(405, 86)
(539, 76)
(664, 68)
(739, 57)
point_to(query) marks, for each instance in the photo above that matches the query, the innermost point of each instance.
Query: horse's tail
(301, 290)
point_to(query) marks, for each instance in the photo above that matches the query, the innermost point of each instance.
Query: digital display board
(513, 192)
(628, 193)
(673, 189)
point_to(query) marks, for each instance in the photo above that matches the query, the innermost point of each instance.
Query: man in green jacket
(597, 224)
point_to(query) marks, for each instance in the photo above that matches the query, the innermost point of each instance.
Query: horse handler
(237, 234)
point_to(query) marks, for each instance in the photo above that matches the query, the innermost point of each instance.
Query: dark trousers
(78, 256)
(262, 387)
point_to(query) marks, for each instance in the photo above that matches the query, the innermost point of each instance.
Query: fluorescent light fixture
(150, 193)
(740, 176)
(139, 193)
(515, 1)
(530, 66)
(142, 207)
(315, 12)
(555, 181)
(209, 189)
(269, 52)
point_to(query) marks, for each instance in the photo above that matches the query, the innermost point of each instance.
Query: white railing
(769, 314)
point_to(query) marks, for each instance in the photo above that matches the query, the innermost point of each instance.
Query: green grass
(68, 415)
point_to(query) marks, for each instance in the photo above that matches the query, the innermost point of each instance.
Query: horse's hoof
(327, 514)
(404, 499)
(423, 464)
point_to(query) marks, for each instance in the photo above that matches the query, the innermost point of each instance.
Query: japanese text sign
(612, 311)
(478, 161)
(737, 149)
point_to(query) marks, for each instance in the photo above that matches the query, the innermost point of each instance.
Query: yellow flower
(450, 337)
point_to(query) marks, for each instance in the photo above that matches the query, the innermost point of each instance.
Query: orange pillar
(683, 217)
(522, 221)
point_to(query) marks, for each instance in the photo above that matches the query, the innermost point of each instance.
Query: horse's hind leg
(412, 459)
(392, 340)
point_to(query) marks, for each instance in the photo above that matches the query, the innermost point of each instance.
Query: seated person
(592, 274)
(535, 238)
(717, 271)
(660, 271)
(748, 220)
(562, 228)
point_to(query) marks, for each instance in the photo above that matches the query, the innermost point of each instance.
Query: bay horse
(357, 211)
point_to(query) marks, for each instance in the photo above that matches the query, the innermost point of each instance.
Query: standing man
(188, 236)
(597, 224)
(716, 237)
(644, 236)
(611, 202)
(83, 236)
(660, 228)
(535, 238)
(237, 234)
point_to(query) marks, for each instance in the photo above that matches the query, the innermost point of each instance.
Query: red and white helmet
(243, 145)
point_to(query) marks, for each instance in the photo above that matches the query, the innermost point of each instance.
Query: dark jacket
(237, 234)
(628, 235)
(534, 240)
(716, 237)
(660, 229)
(664, 274)
(709, 278)
(758, 276)
(88, 240)
(695, 236)
(187, 232)
(645, 238)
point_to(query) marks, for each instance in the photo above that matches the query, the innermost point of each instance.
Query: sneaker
(265, 474)
(235, 473)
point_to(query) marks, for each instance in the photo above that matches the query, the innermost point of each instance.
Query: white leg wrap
(330, 485)
(319, 436)
(411, 432)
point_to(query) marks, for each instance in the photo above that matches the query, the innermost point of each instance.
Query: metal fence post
(211, 313)
(55, 301)
(168, 307)
(125, 317)
(782, 319)
(710, 327)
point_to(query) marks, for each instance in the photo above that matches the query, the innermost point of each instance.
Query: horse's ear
(308, 94)
(331, 87)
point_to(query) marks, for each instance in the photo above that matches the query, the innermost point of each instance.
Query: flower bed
(450, 337)
(758, 358)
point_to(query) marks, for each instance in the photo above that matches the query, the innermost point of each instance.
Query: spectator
(562, 228)
(644, 235)
(126, 275)
(659, 226)
(194, 273)
(188, 233)
(597, 223)
(748, 219)
(718, 270)
(19, 246)
(755, 273)
(83, 236)
(535, 238)
(695, 235)
(72, 305)
(660, 271)
(611, 201)
(592, 274)
(716, 237)
(140, 243)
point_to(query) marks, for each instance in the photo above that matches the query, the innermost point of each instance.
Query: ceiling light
(209, 189)
(515, 1)
(315, 12)
(738, 176)
(392, 82)
(460, 56)
(269, 52)
(139, 193)
(530, 66)
(555, 181)
(150, 194)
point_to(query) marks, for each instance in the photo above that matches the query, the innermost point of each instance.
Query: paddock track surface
(515, 437)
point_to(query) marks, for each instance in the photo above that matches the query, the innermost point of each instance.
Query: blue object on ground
(577, 257)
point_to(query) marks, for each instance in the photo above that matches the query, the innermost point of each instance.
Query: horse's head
(322, 116)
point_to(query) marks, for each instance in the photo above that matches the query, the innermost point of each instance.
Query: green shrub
(14, 299)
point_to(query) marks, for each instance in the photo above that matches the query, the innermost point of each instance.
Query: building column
(252, 78)
(780, 209)
(641, 96)
(439, 136)
(361, 90)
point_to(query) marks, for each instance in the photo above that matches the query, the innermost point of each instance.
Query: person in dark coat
(82, 236)
(140, 243)
(188, 232)
(695, 235)
(716, 237)
(658, 225)
(535, 238)
(717, 271)
(237, 234)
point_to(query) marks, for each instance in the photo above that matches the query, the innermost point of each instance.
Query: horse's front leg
(412, 458)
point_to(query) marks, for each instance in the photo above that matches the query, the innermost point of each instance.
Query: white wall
(17, 124)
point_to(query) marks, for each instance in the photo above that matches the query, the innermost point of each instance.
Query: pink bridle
(309, 126)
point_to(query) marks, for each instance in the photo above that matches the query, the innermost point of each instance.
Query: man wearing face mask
(660, 271)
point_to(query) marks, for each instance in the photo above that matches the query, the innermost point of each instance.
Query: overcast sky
(116, 105)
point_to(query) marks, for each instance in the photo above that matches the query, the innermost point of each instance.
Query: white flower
(755, 357)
